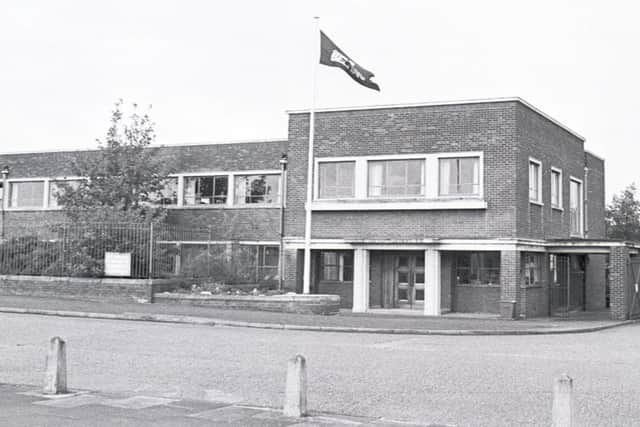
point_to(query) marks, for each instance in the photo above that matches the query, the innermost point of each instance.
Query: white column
(360, 281)
(432, 282)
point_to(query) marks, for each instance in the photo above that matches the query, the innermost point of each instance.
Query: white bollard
(562, 411)
(55, 380)
(295, 404)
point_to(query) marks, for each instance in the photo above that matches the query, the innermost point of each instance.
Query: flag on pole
(333, 56)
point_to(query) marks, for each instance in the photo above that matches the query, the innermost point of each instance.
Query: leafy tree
(623, 215)
(122, 177)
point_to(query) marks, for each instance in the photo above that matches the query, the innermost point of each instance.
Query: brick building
(477, 206)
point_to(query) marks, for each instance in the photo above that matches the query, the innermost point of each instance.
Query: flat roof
(166, 145)
(443, 103)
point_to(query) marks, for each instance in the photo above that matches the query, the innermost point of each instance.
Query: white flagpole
(306, 283)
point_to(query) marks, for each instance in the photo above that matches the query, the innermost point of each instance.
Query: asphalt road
(474, 381)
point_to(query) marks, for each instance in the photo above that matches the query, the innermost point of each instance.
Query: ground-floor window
(532, 266)
(477, 268)
(336, 266)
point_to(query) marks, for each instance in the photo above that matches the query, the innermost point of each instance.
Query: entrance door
(409, 281)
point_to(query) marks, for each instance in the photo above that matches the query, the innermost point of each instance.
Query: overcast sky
(228, 70)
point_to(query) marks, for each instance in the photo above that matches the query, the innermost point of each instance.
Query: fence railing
(155, 250)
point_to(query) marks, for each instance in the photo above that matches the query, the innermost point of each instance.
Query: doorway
(408, 286)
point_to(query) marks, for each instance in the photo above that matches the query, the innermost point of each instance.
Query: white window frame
(8, 194)
(249, 205)
(558, 172)
(538, 163)
(181, 188)
(406, 196)
(429, 200)
(580, 206)
(48, 188)
(480, 174)
(317, 181)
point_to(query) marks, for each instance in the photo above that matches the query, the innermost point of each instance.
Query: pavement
(375, 322)
(26, 406)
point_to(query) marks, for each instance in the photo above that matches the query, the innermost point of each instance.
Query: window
(56, 189)
(168, 195)
(459, 176)
(27, 194)
(205, 190)
(535, 181)
(257, 189)
(396, 178)
(478, 268)
(575, 207)
(336, 266)
(268, 260)
(337, 180)
(556, 188)
(1, 194)
(532, 268)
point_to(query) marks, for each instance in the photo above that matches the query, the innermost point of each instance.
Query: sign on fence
(117, 264)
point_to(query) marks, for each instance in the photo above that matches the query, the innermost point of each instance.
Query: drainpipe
(585, 205)
(283, 194)
(5, 192)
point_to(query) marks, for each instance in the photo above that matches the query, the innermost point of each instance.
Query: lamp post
(283, 194)
(5, 175)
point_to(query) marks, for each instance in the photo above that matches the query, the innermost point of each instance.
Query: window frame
(538, 268)
(319, 180)
(385, 174)
(340, 265)
(481, 267)
(45, 194)
(215, 177)
(538, 164)
(556, 172)
(276, 197)
(461, 195)
(580, 232)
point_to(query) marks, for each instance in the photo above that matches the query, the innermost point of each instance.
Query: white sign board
(117, 264)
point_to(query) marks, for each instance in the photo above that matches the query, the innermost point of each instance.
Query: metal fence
(155, 251)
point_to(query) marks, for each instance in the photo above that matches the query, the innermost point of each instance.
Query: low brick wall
(294, 303)
(85, 288)
(476, 299)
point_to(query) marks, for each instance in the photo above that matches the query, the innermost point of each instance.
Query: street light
(283, 194)
(5, 175)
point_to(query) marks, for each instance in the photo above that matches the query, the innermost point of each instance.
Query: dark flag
(333, 56)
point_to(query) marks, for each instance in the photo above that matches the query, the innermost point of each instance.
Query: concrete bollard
(295, 404)
(55, 381)
(562, 411)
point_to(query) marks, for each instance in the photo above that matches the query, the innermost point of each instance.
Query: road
(467, 381)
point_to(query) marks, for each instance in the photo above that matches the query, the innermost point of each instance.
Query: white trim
(233, 173)
(560, 188)
(580, 206)
(414, 204)
(220, 242)
(538, 200)
(430, 191)
(445, 103)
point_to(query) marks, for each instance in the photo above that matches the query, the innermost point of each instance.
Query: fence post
(295, 404)
(150, 250)
(55, 380)
(562, 410)
(209, 254)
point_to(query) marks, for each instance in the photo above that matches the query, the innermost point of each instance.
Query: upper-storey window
(388, 178)
(56, 189)
(26, 194)
(337, 180)
(205, 190)
(535, 181)
(575, 206)
(257, 189)
(168, 194)
(459, 176)
(556, 188)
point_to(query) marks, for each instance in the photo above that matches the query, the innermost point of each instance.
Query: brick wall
(236, 223)
(595, 210)
(509, 281)
(552, 145)
(618, 281)
(432, 129)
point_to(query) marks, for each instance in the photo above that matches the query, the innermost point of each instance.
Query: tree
(121, 178)
(623, 215)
